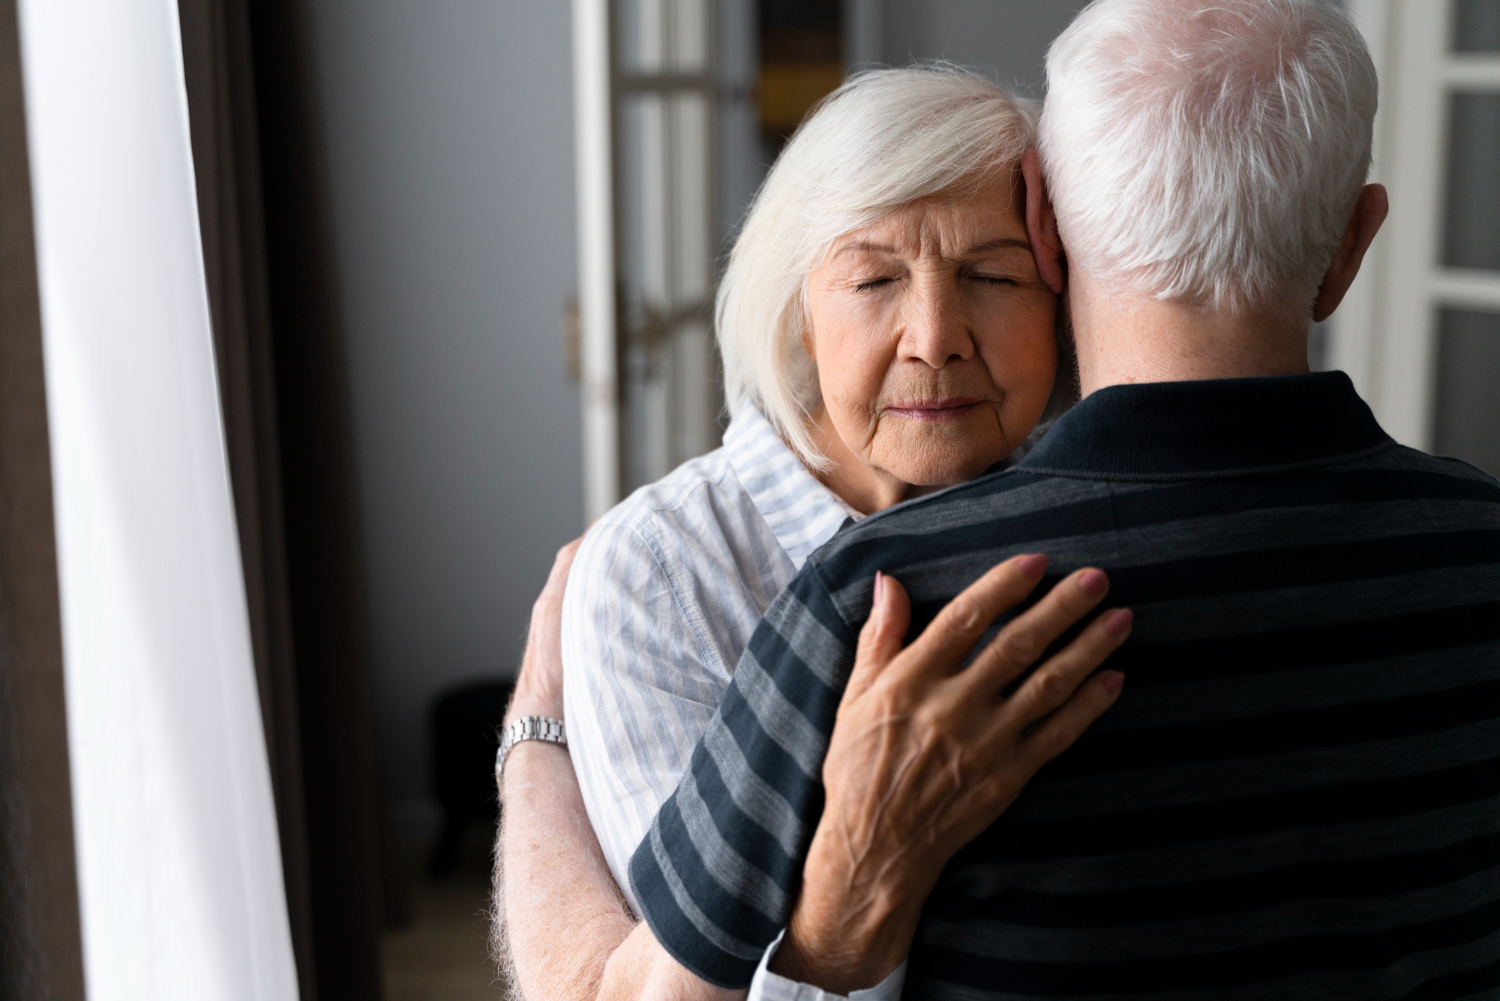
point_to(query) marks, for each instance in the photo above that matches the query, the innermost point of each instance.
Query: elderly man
(1298, 793)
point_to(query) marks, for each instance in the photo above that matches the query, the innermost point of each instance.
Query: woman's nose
(937, 331)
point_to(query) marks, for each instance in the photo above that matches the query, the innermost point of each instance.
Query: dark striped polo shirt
(1297, 794)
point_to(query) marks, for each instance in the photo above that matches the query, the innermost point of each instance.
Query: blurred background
(451, 142)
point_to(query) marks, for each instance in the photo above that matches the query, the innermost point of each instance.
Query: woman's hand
(539, 686)
(926, 754)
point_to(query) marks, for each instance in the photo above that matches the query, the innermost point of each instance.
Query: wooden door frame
(41, 951)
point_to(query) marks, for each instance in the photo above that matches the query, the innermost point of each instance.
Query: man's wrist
(525, 729)
(530, 761)
(531, 703)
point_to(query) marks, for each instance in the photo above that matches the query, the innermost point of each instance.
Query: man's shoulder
(1402, 458)
(931, 519)
(1463, 492)
(1017, 498)
(941, 542)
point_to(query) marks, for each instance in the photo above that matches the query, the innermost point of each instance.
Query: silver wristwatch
(529, 728)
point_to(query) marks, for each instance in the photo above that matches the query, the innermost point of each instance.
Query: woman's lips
(939, 410)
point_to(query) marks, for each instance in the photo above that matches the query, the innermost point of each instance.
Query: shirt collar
(802, 513)
(1210, 428)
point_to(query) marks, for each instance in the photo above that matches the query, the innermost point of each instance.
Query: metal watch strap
(529, 728)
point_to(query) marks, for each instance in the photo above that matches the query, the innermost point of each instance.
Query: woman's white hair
(1208, 151)
(884, 139)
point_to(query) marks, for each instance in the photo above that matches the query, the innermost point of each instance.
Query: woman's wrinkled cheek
(853, 387)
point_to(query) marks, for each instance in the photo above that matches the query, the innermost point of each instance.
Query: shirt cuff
(767, 986)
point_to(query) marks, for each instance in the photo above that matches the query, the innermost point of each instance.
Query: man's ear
(1041, 223)
(1364, 222)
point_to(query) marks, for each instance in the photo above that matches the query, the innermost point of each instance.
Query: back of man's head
(1208, 151)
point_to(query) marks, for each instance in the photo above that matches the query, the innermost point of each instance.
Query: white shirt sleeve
(767, 986)
(638, 690)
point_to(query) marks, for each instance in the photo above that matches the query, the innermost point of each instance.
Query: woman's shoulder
(704, 483)
(680, 521)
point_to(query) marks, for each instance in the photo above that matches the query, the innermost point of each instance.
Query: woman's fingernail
(1094, 583)
(879, 586)
(1112, 681)
(1118, 622)
(1033, 565)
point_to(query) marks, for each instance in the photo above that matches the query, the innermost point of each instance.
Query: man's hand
(926, 754)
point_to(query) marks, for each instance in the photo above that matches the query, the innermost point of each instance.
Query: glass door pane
(1472, 233)
(664, 175)
(1476, 26)
(801, 60)
(1468, 404)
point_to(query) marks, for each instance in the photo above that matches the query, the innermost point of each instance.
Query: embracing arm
(887, 760)
(569, 933)
(562, 930)
(558, 899)
(919, 763)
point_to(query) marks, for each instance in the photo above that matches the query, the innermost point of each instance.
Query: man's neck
(1126, 339)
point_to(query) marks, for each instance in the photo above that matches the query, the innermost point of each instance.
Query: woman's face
(933, 338)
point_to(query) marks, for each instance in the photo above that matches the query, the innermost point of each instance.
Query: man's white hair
(1208, 151)
(884, 139)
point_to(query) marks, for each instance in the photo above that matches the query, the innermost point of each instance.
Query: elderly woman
(885, 333)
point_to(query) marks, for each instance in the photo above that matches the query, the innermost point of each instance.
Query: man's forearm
(569, 934)
(563, 916)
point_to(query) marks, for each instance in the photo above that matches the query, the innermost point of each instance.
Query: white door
(1420, 333)
(665, 235)
(645, 103)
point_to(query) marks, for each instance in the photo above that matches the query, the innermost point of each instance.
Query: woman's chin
(930, 454)
(943, 470)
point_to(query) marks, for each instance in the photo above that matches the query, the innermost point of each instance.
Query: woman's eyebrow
(865, 246)
(1004, 241)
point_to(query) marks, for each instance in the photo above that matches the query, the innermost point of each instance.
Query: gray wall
(1006, 37)
(449, 130)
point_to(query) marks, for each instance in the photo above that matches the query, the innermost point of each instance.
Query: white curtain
(178, 861)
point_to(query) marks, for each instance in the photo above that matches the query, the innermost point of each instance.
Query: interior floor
(442, 952)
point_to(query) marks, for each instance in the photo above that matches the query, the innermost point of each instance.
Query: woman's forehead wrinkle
(952, 231)
(946, 230)
(937, 231)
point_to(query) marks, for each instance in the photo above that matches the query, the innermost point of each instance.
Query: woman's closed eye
(870, 284)
(998, 281)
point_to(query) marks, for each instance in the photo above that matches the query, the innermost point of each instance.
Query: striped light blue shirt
(663, 596)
